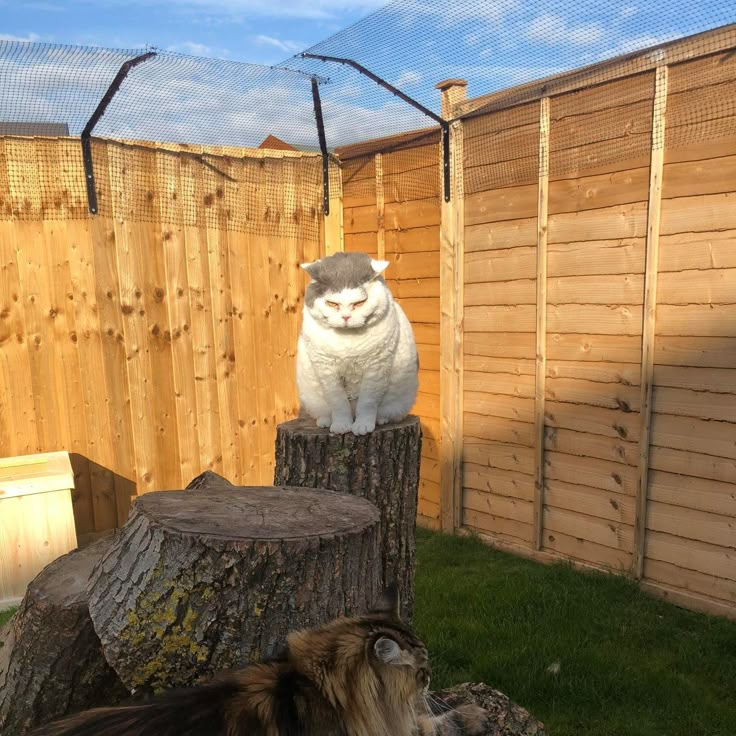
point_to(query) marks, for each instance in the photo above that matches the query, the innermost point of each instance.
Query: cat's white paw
(341, 426)
(363, 425)
(324, 422)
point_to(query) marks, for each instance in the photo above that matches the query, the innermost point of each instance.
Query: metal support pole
(444, 124)
(322, 146)
(86, 134)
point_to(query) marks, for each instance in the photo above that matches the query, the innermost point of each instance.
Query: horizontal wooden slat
(429, 382)
(429, 490)
(489, 364)
(427, 405)
(498, 482)
(589, 501)
(604, 474)
(360, 219)
(498, 455)
(608, 289)
(693, 464)
(426, 310)
(600, 531)
(414, 288)
(690, 178)
(692, 555)
(500, 319)
(594, 347)
(687, 251)
(496, 205)
(415, 240)
(606, 422)
(703, 404)
(427, 335)
(361, 243)
(711, 352)
(503, 506)
(500, 235)
(429, 357)
(702, 213)
(498, 526)
(690, 580)
(599, 257)
(697, 435)
(718, 380)
(589, 445)
(702, 320)
(498, 383)
(405, 215)
(588, 318)
(499, 146)
(621, 221)
(413, 265)
(496, 429)
(500, 344)
(495, 405)
(500, 265)
(714, 286)
(692, 493)
(593, 393)
(581, 549)
(522, 291)
(627, 374)
(428, 509)
(600, 190)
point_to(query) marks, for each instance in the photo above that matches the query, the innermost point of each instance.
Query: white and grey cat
(356, 359)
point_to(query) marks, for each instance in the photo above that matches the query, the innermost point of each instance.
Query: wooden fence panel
(147, 340)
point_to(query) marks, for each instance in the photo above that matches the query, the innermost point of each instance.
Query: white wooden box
(36, 518)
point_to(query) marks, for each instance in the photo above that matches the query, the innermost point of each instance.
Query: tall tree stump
(382, 466)
(51, 661)
(199, 582)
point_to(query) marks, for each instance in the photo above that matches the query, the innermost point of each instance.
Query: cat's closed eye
(360, 303)
(333, 305)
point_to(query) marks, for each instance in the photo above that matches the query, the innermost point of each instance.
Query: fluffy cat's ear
(387, 650)
(309, 266)
(379, 267)
(389, 604)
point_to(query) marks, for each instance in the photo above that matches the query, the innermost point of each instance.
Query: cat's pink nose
(346, 317)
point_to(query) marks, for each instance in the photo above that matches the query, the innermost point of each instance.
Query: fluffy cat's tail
(197, 710)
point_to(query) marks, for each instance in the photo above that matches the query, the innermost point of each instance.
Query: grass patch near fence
(5, 616)
(587, 653)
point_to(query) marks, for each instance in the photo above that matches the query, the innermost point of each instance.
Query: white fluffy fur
(357, 364)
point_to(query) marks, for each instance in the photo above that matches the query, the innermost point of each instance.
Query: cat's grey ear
(389, 603)
(309, 266)
(378, 267)
(387, 650)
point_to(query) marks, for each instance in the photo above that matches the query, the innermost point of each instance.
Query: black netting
(595, 65)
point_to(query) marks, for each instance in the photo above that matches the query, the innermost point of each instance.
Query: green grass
(629, 665)
(5, 616)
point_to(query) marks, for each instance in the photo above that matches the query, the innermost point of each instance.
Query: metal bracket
(322, 146)
(444, 124)
(86, 134)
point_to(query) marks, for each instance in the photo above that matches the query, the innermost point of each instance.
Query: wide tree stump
(51, 661)
(382, 466)
(199, 582)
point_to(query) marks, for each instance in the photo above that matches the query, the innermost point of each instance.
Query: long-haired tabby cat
(356, 358)
(362, 676)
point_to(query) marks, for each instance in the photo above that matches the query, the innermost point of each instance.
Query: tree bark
(382, 466)
(51, 661)
(208, 479)
(506, 718)
(199, 582)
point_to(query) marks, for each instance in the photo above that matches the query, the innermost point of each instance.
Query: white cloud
(628, 11)
(11, 37)
(288, 47)
(553, 29)
(636, 43)
(408, 78)
(191, 47)
(244, 9)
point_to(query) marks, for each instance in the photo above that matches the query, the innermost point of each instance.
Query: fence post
(334, 235)
(541, 350)
(380, 209)
(656, 169)
(452, 240)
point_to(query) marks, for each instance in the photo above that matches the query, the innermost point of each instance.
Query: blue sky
(257, 31)
(494, 44)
